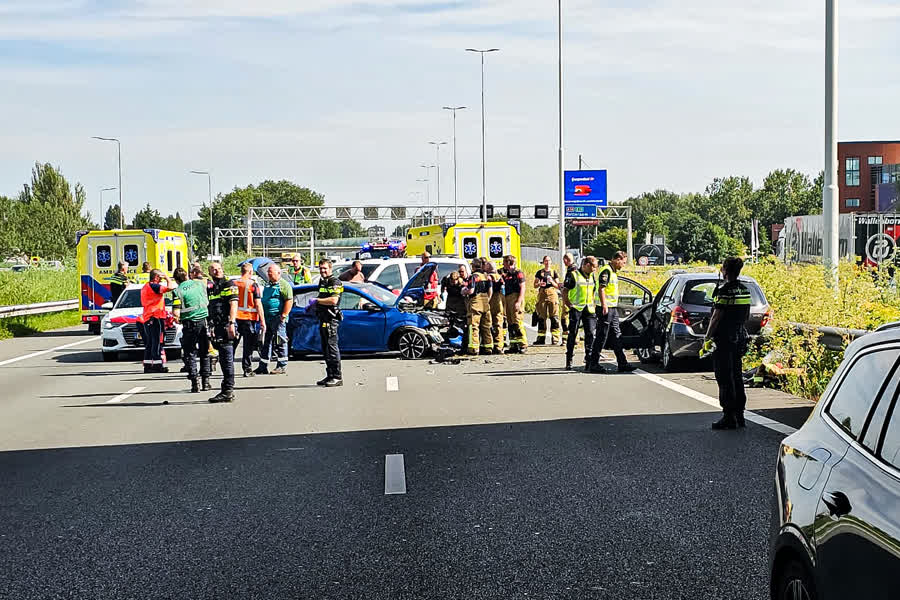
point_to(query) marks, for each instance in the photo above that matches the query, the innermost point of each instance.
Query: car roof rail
(889, 326)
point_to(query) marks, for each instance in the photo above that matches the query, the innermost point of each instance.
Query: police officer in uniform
(569, 264)
(190, 306)
(546, 281)
(580, 297)
(514, 301)
(118, 281)
(223, 305)
(479, 292)
(608, 332)
(727, 329)
(326, 305)
(498, 312)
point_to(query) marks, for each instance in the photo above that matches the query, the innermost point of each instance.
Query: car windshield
(132, 299)
(700, 292)
(367, 270)
(379, 293)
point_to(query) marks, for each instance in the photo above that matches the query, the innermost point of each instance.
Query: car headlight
(437, 320)
(111, 325)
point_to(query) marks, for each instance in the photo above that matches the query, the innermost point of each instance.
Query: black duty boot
(206, 386)
(739, 417)
(540, 341)
(568, 363)
(195, 386)
(323, 381)
(223, 396)
(726, 422)
(627, 369)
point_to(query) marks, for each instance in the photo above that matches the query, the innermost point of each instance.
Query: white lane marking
(394, 474)
(10, 361)
(686, 391)
(128, 394)
(392, 384)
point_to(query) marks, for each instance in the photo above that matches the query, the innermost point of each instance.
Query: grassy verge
(36, 285)
(22, 326)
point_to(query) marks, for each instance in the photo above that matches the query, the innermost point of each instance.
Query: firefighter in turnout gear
(546, 281)
(569, 264)
(580, 297)
(514, 302)
(223, 305)
(498, 325)
(608, 332)
(479, 291)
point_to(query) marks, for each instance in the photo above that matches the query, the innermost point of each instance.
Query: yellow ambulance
(99, 252)
(467, 241)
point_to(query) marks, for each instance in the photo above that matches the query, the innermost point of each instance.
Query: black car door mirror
(370, 307)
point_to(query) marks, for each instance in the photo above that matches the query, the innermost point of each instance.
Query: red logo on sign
(582, 190)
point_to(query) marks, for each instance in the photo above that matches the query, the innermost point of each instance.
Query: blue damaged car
(375, 320)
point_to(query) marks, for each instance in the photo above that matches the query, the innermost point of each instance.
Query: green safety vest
(582, 295)
(612, 288)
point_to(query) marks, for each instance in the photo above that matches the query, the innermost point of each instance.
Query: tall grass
(38, 285)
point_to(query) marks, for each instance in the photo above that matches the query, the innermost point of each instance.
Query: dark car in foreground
(672, 326)
(836, 507)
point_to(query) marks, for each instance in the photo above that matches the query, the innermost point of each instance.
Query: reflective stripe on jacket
(582, 295)
(246, 300)
(612, 286)
(154, 304)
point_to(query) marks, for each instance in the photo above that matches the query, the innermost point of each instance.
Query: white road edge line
(701, 397)
(392, 384)
(128, 394)
(10, 361)
(394, 474)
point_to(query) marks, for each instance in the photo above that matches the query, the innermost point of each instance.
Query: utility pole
(209, 191)
(102, 222)
(455, 196)
(830, 212)
(560, 182)
(119, 151)
(437, 148)
(483, 170)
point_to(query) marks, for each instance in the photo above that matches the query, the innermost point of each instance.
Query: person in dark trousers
(326, 307)
(250, 324)
(277, 301)
(728, 331)
(223, 305)
(609, 334)
(118, 281)
(580, 298)
(569, 264)
(191, 310)
(153, 319)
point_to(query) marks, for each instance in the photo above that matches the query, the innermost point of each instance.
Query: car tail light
(767, 317)
(679, 315)
(90, 319)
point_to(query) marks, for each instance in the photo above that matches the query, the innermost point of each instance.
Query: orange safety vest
(154, 304)
(246, 302)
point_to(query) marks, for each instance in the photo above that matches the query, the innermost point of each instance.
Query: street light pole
(483, 169)
(209, 190)
(830, 209)
(562, 201)
(101, 221)
(427, 178)
(193, 206)
(455, 196)
(119, 150)
(437, 148)
(427, 194)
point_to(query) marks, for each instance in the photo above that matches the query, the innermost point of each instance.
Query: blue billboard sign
(585, 187)
(581, 211)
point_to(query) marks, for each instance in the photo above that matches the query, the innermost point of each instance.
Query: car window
(390, 277)
(857, 392)
(669, 291)
(890, 451)
(445, 268)
(379, 293)
(132, 299)
(302, 300)
(630, 294)
(699, 292)
(411, 269)
(350, 300)
(879, 415)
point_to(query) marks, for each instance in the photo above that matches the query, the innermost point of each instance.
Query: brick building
(862, 167)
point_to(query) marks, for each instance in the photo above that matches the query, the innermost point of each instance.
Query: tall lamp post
(209, 190)
(437, 163)
(101, 221)
(562, 200)
(427, 179)
(830, 209)
(483, 171)
(455, 196)
(193, 206)
(119, 149)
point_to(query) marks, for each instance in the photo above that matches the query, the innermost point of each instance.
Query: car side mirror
(106, 306)
(371, 307)
(638, 302)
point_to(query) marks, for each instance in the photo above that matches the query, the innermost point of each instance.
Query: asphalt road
(521, 481)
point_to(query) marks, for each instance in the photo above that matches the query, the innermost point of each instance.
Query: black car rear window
(700, 292)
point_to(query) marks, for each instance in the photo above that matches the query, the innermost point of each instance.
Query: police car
(119, 330)
(395, 273)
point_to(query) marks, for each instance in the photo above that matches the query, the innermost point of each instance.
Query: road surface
(498, 477)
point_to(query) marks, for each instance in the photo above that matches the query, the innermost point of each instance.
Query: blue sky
(343, 95)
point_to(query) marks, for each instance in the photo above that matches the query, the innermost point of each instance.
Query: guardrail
(831, 337)
(39, 308)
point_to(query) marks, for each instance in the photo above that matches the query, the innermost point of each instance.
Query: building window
(852, 171)
(875, 160)
(852, 202)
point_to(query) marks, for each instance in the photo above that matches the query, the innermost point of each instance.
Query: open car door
(635, 314)
(414, 292)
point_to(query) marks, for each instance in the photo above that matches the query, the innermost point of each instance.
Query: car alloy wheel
(412, 345)
(794, 583)
(667, 355)
(796, 590)
(645, 355)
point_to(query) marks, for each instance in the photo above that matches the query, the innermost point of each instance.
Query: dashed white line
(392, 384)
(128, 394)
(701, 397)
(10, 361)
(394, 474)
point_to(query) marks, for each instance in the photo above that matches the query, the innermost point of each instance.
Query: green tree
(607, 242)
(112, 219)
(727, 204)
(173, 223)
(148, 218)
